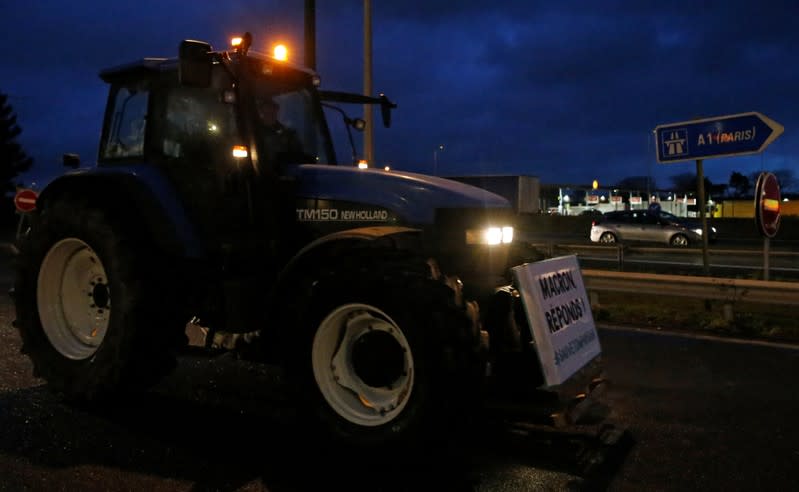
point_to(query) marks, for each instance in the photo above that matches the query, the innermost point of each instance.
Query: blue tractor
(384, 295)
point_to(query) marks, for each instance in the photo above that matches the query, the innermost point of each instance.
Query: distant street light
(435, 159)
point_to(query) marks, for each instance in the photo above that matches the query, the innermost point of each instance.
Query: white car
(643, 226)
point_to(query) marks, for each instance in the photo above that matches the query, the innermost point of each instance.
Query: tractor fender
(297, 276)
(141, 189)
(323, 247)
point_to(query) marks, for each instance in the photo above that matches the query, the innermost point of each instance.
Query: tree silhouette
(636, 183)
(740, 184)
(785, 177)
(686, 182)
(13, 159)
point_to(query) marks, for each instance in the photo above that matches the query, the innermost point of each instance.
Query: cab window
(127, 125)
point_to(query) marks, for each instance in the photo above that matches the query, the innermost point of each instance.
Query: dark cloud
(565, 90)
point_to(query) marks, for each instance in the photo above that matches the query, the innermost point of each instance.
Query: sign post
(721, 136)
(700, 183)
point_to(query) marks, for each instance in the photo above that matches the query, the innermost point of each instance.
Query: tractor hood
(412, 196)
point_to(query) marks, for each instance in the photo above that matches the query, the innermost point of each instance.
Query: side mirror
(385, 110)
(194, 69)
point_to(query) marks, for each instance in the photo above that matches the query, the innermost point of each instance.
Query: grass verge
(745, 320)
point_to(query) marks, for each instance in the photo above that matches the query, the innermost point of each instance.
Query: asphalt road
(704, 414)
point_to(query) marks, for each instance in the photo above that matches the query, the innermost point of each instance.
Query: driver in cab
(282, 145)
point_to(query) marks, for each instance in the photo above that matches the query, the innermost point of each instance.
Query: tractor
(216, 200)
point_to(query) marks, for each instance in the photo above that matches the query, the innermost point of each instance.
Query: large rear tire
(93, 317)
(383, 356)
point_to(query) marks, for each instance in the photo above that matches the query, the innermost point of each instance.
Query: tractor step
(202, 339)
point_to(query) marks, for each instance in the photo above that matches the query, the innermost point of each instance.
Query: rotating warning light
(241, 44)
(281, 52)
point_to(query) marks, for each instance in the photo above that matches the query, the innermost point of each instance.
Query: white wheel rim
(679, 240)
(73, 298)
(335, 373)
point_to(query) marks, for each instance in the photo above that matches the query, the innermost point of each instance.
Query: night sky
(567, 91)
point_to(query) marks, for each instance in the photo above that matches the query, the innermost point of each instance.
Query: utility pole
(310, 34)
(368, 137)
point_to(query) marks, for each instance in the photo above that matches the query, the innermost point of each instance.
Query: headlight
(490, 235)
(698, 231)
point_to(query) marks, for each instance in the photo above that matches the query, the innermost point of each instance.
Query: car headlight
(698, 231)
(490, 235)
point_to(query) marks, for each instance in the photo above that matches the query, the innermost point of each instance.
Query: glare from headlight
(507, 235)
(698, 231)
(490, 235)
(493, 235)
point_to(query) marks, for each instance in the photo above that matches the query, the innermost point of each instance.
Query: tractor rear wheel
(88, 303)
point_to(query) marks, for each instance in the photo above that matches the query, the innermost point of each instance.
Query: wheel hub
(363, 364)
(101, 296)
(378, 359)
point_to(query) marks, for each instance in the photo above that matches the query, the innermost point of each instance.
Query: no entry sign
(25, 200)
(767, 204)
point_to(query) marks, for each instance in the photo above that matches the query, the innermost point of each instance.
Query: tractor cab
(223, 127)
(248, 108)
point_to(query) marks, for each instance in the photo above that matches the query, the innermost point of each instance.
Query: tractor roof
(139, 68)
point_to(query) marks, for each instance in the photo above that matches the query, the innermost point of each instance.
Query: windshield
(289, 128)
(669, 216)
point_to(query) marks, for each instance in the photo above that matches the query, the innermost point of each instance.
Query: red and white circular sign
(25, 200)
(767, 204)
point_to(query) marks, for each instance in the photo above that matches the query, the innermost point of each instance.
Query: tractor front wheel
(383, 357)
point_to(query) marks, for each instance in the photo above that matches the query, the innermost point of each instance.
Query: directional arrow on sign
(722, 136)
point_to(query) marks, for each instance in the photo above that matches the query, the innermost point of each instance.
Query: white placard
(559, 315)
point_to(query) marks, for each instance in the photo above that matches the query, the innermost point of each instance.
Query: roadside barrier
(728, 290)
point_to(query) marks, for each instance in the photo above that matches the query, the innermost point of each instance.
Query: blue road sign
(722, 136)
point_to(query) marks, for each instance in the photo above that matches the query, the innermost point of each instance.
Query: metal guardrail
(620, 252)
(725, 289)
(662, 250)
